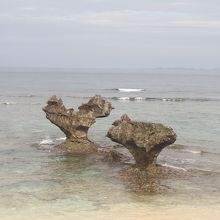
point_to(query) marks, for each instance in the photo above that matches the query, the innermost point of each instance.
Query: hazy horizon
(110, 34)
(44, 68)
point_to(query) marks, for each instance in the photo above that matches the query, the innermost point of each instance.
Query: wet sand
(125, 213)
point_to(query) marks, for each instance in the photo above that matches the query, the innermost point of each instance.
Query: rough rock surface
(151, 179)
(143, 140)
(75, 124)
(114, 156)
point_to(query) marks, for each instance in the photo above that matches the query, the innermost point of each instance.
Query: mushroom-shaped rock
(75, 124)
(143, 140)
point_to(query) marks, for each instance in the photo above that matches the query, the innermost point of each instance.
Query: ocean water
(36, 182)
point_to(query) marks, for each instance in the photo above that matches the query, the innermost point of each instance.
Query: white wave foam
(174, 167)
(20, 103)
(194, 151)
(124, 98)
(129, 98)
(139, 98)
(35, 103)
(46, 141)
(61, 139)
(130, 90)
(9, 103)
(167, 99)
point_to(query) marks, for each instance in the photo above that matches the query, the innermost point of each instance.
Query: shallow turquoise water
(33, 180)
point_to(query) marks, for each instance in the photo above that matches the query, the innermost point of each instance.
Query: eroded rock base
(150, 180)
(77, 147)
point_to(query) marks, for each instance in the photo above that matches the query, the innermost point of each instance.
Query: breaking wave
(194, 151)
(174, 167)
(162, 99)
(19, 103)
(61, 139)
(20, 96)
(46, 141)
(123, 98)
(9, 103)
(50, 141)
(129, 90)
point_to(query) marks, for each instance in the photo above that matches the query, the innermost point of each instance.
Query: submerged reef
(143, 140)
(152, 179)
(75, 124)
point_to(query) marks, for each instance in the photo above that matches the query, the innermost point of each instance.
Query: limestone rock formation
(114, 156)
(75, 124)
(143, 140)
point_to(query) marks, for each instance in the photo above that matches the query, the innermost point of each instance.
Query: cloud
(198, 24)
(181, 3)
(116, 18)
(105, 14)
(27, 8)
(124, 32)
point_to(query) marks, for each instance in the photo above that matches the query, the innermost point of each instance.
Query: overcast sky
(110, 33)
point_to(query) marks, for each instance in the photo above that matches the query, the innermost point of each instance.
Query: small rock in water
(114, 156)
